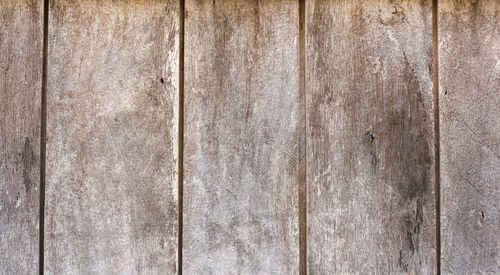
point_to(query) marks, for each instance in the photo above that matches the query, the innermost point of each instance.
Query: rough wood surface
(370, 171)
(21, 31)
(242, 141)
(111, 194)
(469, 94)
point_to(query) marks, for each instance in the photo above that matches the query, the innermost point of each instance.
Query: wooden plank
(469, 86)
(21, 32)
(370, 156)
(111, 199)
(243, 117)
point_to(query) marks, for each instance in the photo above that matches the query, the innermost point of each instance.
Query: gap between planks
(437, 172)
(180, 130)
(43, 139)
(303, 167)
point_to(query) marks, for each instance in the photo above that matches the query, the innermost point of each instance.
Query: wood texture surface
(469, 93)
(21, 32)
(111, 196)
(370, 171)
(243, 117)
(358, 133)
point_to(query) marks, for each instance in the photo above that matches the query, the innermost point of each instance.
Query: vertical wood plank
(469, 94)
(21, 35)
(370, 137)
(243, 117)
(112, 137)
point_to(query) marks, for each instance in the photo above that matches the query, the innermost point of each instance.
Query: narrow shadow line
(180, 157)
(43, 135)
(303, 167)
(437, 166)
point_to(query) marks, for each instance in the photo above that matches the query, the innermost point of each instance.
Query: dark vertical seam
(43, 134)
(180, 157)
(437, 166)
(303, 175)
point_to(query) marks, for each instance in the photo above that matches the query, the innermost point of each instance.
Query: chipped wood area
(20, 92)
(469, 80)
(111, 194)
(242, 138)
(370, 137)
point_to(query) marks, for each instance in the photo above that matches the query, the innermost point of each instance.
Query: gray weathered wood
(243, 117)
(469, 94)
(370, 171)
(111, 196)
(21, 31)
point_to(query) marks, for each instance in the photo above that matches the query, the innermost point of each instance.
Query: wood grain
(243, 145)
(370, 156)
(21, 32)
(111, 199)
(469, 94)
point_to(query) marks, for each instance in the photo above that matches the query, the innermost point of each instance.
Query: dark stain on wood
(29, 165)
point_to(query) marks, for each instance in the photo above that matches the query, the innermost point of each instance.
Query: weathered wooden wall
(242, 119)
(370, 137)
(21, 32)
(344, 107)
(469, 94)
(111, 194)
